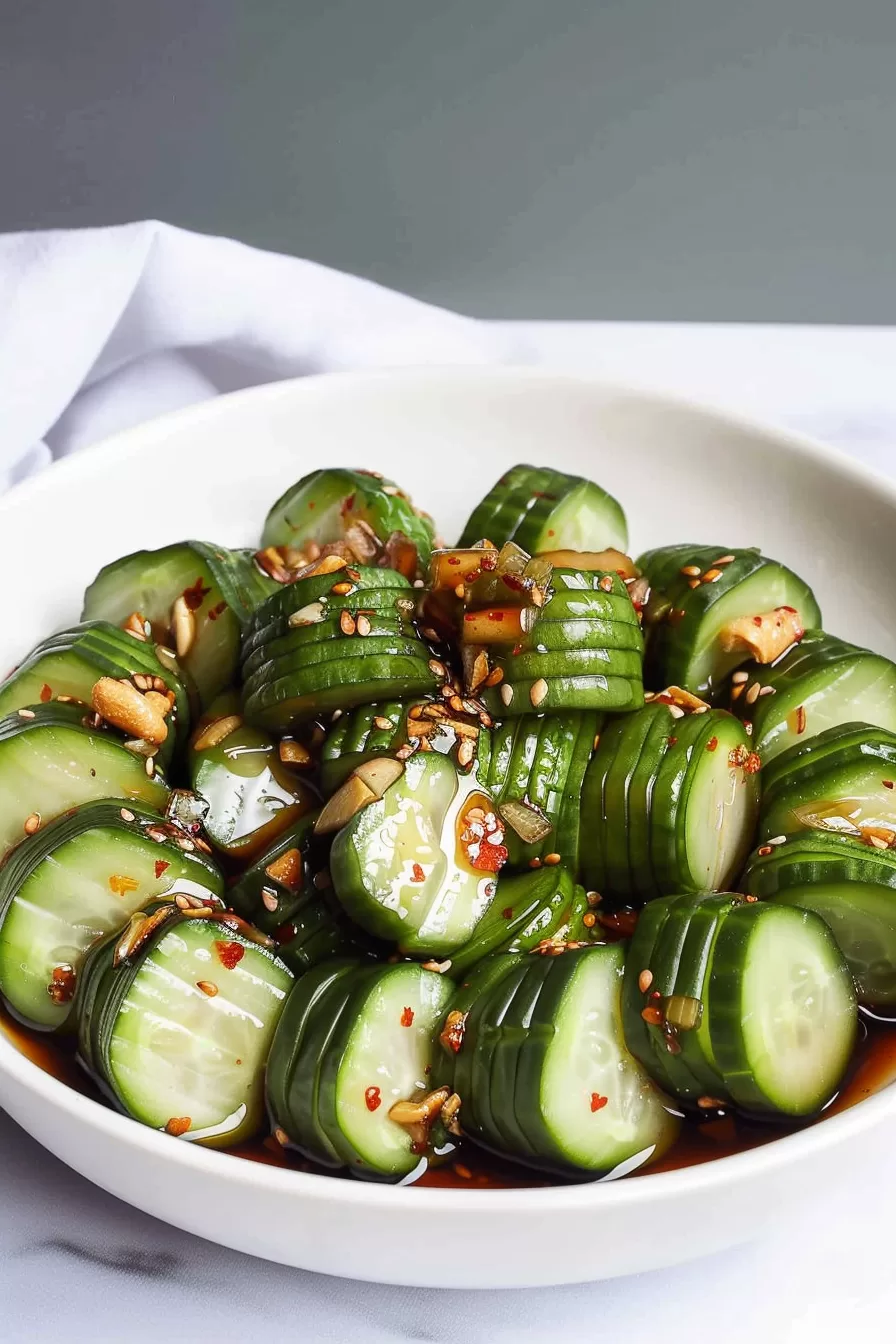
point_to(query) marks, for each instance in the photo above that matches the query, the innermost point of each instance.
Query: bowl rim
(713, 1174)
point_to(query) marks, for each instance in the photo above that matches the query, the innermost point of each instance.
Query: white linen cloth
(100, 329)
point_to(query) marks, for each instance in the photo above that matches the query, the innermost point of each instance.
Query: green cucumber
(77, 879)
(821, 683)
(851, 886)
(252, 795)
(669, 804)
(527, 910)
(413, 867)
(730, 1003)
(51, 761)
(542, 1069)
(175, 1021)
(842, 780)
(687, 611)
(370, 731)
(325, 503)
(545, 510)
(540, 761)
(352, 1042)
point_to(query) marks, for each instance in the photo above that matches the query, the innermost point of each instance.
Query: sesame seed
(538, 692)
(269, 900)
(32, 823)
(382, 723)
(691, 571)
(26, 713)
(207, 987)
(506, 693)
(712, 576)
(767, 690)
(363, 625)
(724, 560)
(281, 1136)
(347, 623)
(126, 815)
(552, 858)
(436, 668)
(738, 678)
(764, 850)
(752, 694)
(589, 920)
(645, 980)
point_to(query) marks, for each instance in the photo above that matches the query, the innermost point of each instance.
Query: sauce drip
(873, 1068)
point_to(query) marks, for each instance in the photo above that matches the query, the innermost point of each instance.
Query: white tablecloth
(77, 1265)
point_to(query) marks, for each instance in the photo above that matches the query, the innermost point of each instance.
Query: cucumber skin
(671, 646)
(543, 759)
(811, 762)
(520, 505)
(526, 909)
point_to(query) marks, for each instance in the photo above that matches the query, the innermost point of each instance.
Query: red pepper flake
(195, 595)
(372, 1099)
(46, 693)
(496, 615)
(453, 559)
(230, 954)
(752, 764)
(751, 900)
(507, 912)
(757, 620)
(712, 744)
(62, 987)
(763, 850)
(217, 611)
(598, 1102)
(178, 1125)
(161, 867)
(623, 923)
(551, 532)
(653, 1016)
(793, 609)
(801, 719)
(419, 875)
(887, 783)
(122, 885)
(452, 1034)
(407, 1017)
(491, 858)
(670, 741)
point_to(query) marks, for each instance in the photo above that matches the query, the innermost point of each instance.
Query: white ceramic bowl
(683, 473)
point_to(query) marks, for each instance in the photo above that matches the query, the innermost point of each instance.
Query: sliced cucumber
(542, 1069)
(50, 761)
(851, 886)
(352, 1042)
(540, 762)
(728, 1005)
(821, 683)
(843, 780)
(219, 588)
(178, 1030)
(418, 867)
(545, 510)
(323, 505)
(669, 804)
(79, 878)
(528, 909)
(698, 591)
(252, 795)
(371, 731)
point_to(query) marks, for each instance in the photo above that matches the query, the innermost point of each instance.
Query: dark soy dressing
(873, 1068)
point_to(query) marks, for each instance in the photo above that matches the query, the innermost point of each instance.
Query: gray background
(540, 158)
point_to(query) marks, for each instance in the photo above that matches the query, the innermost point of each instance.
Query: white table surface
(76, 1265)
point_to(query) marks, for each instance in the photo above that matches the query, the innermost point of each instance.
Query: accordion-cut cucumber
(323, 505)
(821, 683)
(545, 510)
(69, 664)
(539, 761)
(529, 909)
(353, 1042)
(78, 878)
(728, 1003)
(50, 761)
(542, 1068)
(583, 650)
(698, 591)
(852, 887)
(252, 795)
(287, 894)
(419, 866)
(669, 804)
(175, 1021)
(292, 674)
(843, 780)
(215, 591)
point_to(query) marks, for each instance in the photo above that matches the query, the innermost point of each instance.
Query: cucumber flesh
(720, 815)
(178, 1053)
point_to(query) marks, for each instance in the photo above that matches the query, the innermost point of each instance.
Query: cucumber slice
(252, 795)
(340, 684)
(70, 663)
(851, 886)
(50, 762)
(77, 879)
(371, 731)
(527, 910)
(179, 1032)
(541, 761)
(415, 867)
(669, 804)
(324, 504)
(687, 612)
(545, 510)
(843, 780)
(783, 1022)
(220, 589)
(821, 683)
(571, 1099)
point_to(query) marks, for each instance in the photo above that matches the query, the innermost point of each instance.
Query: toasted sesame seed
(710, 1104)
(767, 690)
(538, 692)
(752, 694)
(465, 752)
(645, 980)
(281, 1136)
(126, 814)
(801, 719)
(506, 693)
(738, 678)
(878, 843)
(593, 898)
(589, 920)
(764, 850)
(437, 669)
(777, 840)
(552, 858)
(150, 766)
(341, 589)
(495, 676)
(347, 623)
(690, 571)
(363, 625)
(32, 823)
(724, 560)
(712, 575)
(381, 722)
(207, 987)
(606, 583)
(694, 583)
(26, 713)
(652, 1015)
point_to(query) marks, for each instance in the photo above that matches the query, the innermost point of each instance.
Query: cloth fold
(103, 328)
